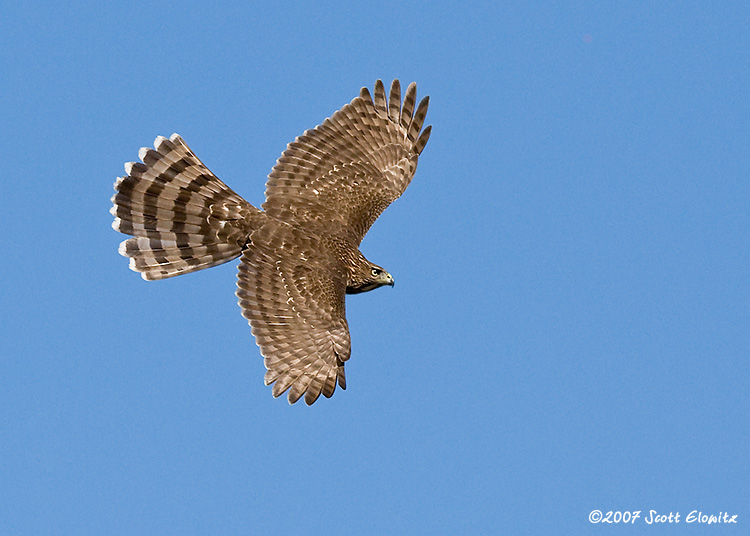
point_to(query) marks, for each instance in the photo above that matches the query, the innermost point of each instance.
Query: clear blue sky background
(570, 326)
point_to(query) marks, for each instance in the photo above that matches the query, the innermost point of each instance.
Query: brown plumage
(299, 254)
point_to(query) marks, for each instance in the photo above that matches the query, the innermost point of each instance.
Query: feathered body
(299, 254)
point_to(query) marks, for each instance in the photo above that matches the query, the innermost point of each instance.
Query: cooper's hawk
(300, 254)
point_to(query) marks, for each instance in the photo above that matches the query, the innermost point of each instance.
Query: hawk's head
(367, 277)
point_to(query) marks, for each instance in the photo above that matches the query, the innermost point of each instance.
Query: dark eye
(376, 272)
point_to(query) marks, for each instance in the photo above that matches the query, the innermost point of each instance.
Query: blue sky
(569, 331)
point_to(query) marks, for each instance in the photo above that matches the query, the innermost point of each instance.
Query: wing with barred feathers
(292, 294)
(339, 177)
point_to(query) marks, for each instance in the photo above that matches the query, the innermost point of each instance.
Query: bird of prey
(300, 251)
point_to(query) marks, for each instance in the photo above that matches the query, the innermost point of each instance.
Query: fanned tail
(181, 216)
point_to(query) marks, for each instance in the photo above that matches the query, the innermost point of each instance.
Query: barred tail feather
(181, 216)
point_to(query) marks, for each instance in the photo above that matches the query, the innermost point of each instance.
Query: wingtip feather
(422, 141)
(394, 100)
(381, 106)
(418, 119)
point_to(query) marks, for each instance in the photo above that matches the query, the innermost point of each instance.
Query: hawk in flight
(300, 251)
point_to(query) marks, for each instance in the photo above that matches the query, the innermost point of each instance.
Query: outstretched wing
(293, 297)
(340, 176)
